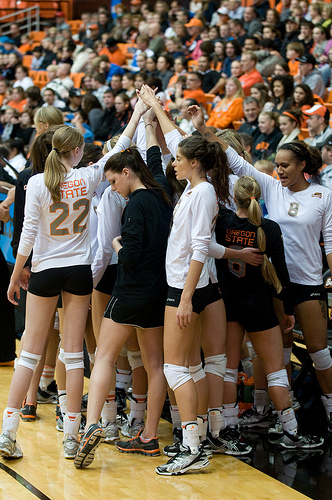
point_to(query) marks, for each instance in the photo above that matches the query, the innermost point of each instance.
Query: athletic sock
(137, 407)
(62, 401)
(11, 420)
(288, 420)
(123, 379)
(261, 401)
(47, 377)
(202, 421)
(231, 414)
(109, 411)
(216, 421)
(327, 402)
(190, 436)
(71, 424)
(175, 415)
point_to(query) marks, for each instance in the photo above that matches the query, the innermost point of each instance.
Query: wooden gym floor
(44, 473)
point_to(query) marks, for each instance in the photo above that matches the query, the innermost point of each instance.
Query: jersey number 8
(236, 266)
(293, 209)
(77, 226)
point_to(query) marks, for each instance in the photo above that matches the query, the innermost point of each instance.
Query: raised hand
(140, 106)
(197, 116)
(148, 96)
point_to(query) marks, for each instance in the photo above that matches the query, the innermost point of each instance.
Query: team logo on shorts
(317, 195)
(95, 166)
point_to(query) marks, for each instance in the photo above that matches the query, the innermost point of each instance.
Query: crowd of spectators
(229, 59)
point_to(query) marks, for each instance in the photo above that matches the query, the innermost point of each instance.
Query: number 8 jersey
(59, 232)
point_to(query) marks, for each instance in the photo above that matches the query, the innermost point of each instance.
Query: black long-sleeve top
(237, 278)
(20, 194)
(145, 223)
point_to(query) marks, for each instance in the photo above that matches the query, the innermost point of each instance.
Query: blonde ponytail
(65, 139)
(247, 193)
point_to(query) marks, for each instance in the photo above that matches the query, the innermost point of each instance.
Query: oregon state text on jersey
(58, 231)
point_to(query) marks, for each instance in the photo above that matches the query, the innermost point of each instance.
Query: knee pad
(61, 355)
(135, 359)
(29, 360)
(321, 359)
(251, 350)
(287, 355)
(231, 375)
(176, 375)
(123, 351)
(216, 365)
(197, 372)
(74, 360)
(278, 379)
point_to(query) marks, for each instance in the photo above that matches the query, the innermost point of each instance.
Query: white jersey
(302, 216)
(59, 232)
(109, 213)
(123, 143)
(194, 218)
(96, 198)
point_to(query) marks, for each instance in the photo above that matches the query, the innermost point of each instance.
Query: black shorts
(215, 293)
(254, 312)
(107, 282)
(303, 293)
(199, 300)
(76, 280)
(149, 316)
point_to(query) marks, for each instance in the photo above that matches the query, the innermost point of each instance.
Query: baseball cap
(111, 42)
(93, 27)
(327, 143)
(75, 92)
(60, 14)
(135, 2)
(223, 11)
(293, 19)
(307, 58)
(194, 22)
(317, 109)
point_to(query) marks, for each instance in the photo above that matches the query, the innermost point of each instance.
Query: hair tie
(55, 149)
(253, 198)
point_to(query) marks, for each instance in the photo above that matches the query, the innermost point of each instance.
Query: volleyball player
(56, 227)
(249, 304)
(303, 210)
(138, 300)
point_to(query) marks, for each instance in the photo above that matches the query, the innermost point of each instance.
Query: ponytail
(41, 148)
(213, 160)
(310, 154)
(65, 139)
(247, 193)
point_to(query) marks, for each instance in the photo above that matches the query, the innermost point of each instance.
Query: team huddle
(182, 263)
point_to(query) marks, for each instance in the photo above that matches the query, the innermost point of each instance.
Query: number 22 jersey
(59, 232)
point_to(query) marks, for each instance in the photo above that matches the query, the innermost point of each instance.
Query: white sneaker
(9, 448)
(131, 430)
(291, 441)
(111, 432)
(70, 447)
(183, 462)
(276, 431)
